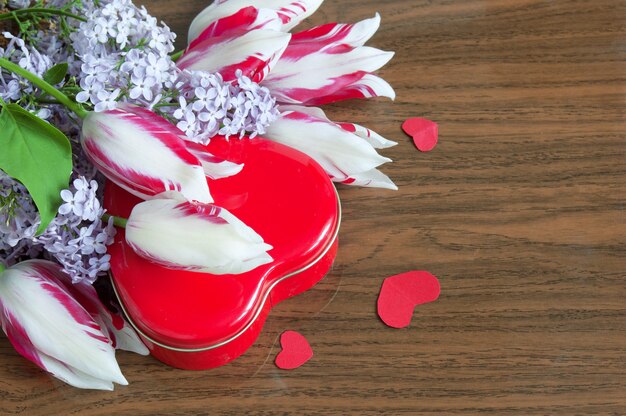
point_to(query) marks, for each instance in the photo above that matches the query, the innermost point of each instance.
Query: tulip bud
(49, 327)
(195, 237)
(143, 153)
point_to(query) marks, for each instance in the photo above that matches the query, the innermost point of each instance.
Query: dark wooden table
(519, 211)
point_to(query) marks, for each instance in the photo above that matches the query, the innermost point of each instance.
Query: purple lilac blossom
(13, 87)
(78, 236)
(210, 106)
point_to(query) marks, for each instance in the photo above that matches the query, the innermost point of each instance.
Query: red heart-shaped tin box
(197, 320)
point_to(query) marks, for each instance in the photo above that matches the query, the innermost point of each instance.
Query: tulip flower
(290, 12)
(329, 63)
(195, 237)
(143, 153)
(347, 157)
(49, 327)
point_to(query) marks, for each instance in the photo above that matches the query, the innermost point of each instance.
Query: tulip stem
(176, 55)
(117, 221)
(2, 267)
(43, 85)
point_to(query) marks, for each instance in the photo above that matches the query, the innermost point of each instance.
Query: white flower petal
(371, 178)
(74, 377)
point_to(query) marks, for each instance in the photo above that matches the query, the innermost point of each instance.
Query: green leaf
(38, 155)
(56, 74)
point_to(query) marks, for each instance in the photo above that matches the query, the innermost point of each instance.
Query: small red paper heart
(400, 294)
(296, 351)
(424, 132)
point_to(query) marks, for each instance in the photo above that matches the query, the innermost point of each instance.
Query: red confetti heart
(296, 351)
(400, 294)
(424, 132)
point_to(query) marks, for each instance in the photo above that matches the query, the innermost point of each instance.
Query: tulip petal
(18, 337)
(214, 167)
(245, 20)
(342, 154)
(20, 341)
(369, 86)
(372, 178)
(332, 38)
(303, 79)
(291, 12)
(113, 325)
(376, 140)
(254, 53)
(194, 237)
(49, 327)
(153, 120)
(74, 377)
(143, 153)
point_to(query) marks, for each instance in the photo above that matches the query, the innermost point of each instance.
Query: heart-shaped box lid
(284, 195)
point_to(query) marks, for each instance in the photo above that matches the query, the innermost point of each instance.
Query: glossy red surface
(281, 193)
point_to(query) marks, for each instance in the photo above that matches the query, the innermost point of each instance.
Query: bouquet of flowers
(93, 89)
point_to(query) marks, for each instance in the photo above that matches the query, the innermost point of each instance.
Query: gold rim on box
(256, 314)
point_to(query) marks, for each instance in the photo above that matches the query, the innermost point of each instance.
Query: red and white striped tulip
(49, 327)
(254, 53)
(329, 63)
(195, 237)
(113, 325)
(290, 13)
(348, 157)
(143, 153)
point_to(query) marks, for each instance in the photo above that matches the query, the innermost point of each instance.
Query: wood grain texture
(519, 211)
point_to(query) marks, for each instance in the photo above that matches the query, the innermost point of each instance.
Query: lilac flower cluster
(77, 237)
(124, 54)
(210, 106)
(18, 219)
(13, 87)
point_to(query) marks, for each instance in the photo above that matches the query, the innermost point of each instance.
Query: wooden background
(519, 211)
